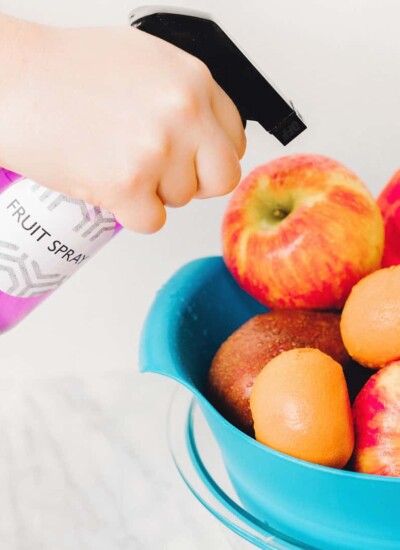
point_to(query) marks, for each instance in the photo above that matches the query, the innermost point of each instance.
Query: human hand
(118, 118)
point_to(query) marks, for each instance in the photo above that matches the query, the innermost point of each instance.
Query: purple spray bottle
(46, 236)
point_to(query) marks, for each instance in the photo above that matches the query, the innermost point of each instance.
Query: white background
(83, 458)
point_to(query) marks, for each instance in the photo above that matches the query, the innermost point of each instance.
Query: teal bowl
(325, 508)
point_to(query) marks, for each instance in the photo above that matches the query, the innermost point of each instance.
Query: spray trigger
(198, 34)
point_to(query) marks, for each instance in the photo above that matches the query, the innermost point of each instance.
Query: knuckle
(230, 179)
(93, 195)
(175, 193)
(159, 149)
(141, 219)
(125, 186)
(234, 177)
(184, 106)
(120, 190)
(199, 71)
(182, 199)
(154, 222)
(187, 100)
(242, 144)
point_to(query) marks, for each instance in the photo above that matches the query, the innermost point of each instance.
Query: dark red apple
(243, 355)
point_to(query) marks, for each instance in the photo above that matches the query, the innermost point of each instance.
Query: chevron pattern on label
(45, 237)
(20, 276)
(94, 220)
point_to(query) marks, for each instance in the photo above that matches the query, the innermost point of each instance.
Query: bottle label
(46, 236)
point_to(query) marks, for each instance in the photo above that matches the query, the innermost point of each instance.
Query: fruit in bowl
(193, 313)
(300, 231)
(370, 328)
(370, 323)
(300, 406)
(389, 203)
(247, 350)
(377, 424)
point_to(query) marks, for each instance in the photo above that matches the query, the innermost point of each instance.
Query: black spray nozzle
(197, 34)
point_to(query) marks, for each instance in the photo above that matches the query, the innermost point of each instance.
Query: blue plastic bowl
(198, 308)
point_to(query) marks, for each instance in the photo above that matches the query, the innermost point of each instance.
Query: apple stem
(279, 213)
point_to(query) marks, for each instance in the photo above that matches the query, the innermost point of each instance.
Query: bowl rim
(166, 351)
(183, 433)
(289, 458)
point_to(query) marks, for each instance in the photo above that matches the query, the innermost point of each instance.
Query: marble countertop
(84, 465)
(84, 462)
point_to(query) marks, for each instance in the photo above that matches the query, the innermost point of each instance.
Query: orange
(370, 323)
(301, 407)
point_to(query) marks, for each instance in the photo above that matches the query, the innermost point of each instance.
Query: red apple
(376, 412)
(300, 231)
(389, 203)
